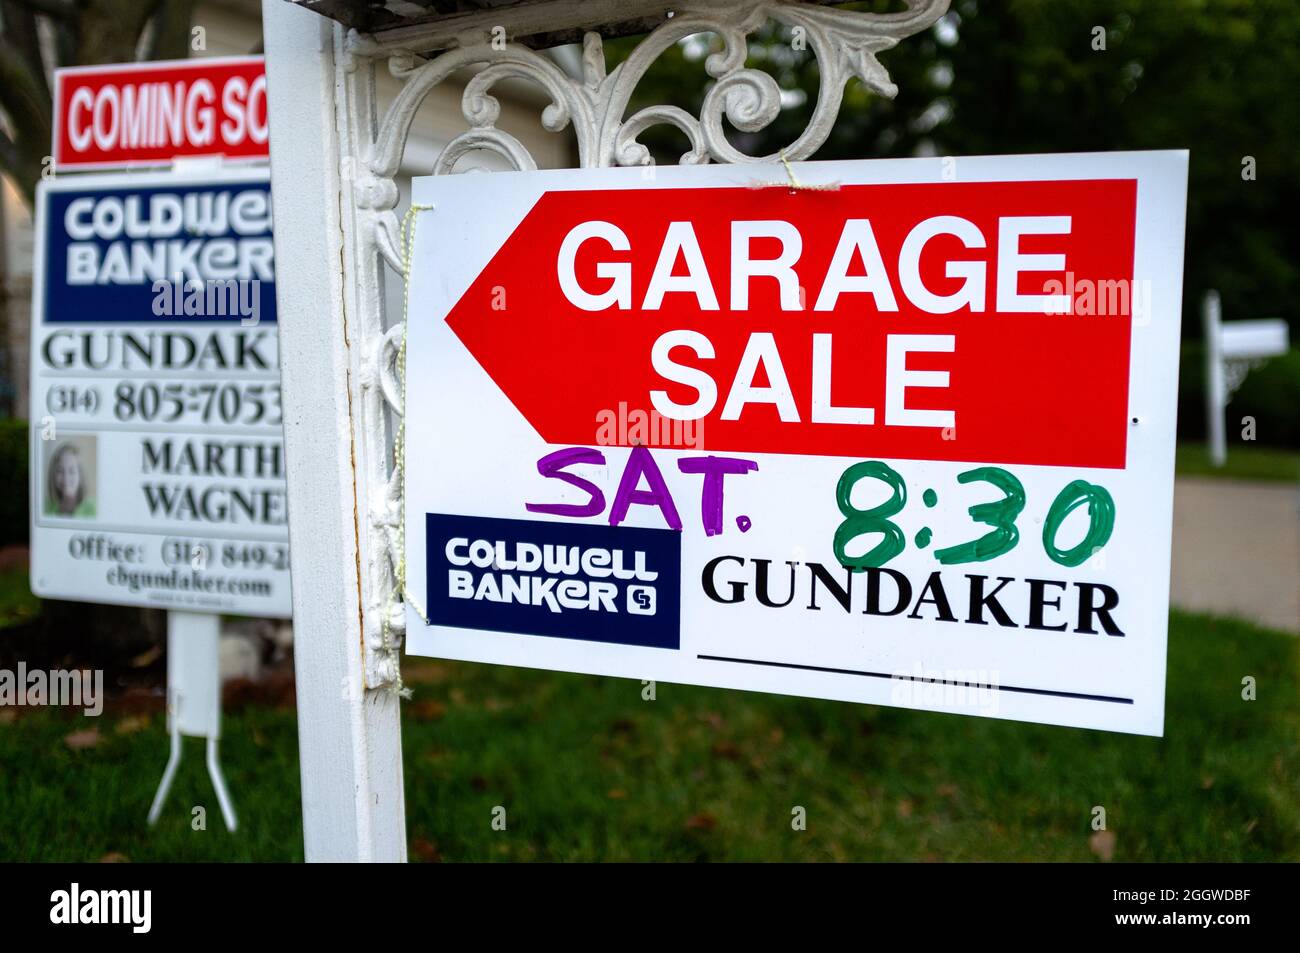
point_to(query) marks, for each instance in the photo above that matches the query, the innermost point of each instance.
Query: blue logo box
(106, 247)
(617, 584)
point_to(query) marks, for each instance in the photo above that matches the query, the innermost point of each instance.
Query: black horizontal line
(918, 678)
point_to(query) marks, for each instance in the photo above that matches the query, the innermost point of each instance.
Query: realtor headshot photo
(70, 486)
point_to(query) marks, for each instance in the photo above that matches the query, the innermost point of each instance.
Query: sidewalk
(1237, 549)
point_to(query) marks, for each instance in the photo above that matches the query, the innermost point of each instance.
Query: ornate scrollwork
(845, 44)
(594, 105)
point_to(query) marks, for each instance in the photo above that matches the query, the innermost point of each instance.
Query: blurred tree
(1217, 77)
(37, 36)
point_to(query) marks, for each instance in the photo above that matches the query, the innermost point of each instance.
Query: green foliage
(1245, 462)
(1270, 394)
(13, 482)
(1191, 393)
(1212, 76)
(587, 770)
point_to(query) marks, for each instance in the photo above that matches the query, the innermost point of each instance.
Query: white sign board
(906, 439)
(157, 450)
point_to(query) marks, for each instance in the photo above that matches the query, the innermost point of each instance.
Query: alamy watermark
(945, 689)
(58, 687)
(133, 908)
(210, 298)
(641, 428)
(1087, 297)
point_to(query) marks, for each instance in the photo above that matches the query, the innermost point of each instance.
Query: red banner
(963, 321)
(151, 113)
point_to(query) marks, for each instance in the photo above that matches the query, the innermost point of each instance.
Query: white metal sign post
(157, 464)
(348, 727)
(339, 228)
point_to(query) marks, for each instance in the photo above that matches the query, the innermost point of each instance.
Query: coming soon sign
(903, 439)
(135, 114)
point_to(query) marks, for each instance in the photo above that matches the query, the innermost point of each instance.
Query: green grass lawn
(587, 770)
(17, 604)
(1244, 462)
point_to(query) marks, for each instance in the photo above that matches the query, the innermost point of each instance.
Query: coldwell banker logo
(618, 584)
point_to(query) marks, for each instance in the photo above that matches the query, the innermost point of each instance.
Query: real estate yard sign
(904, 438)
(157, 449)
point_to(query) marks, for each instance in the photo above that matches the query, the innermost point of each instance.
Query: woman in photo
(66, 490)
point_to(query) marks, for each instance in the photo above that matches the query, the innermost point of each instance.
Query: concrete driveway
(1237, 549)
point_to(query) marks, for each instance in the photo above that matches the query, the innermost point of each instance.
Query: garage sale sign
(905, 438)
(156, 457)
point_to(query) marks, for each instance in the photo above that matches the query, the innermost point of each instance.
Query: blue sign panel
(617, 584)
(173, 253)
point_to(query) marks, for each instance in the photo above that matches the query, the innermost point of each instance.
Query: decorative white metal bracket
(845, 44)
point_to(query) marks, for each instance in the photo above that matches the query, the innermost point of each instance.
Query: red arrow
(1023, 387)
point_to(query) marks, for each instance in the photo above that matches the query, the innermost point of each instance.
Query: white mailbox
(1231, 350)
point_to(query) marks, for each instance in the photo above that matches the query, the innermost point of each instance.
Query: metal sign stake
(194, 702)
